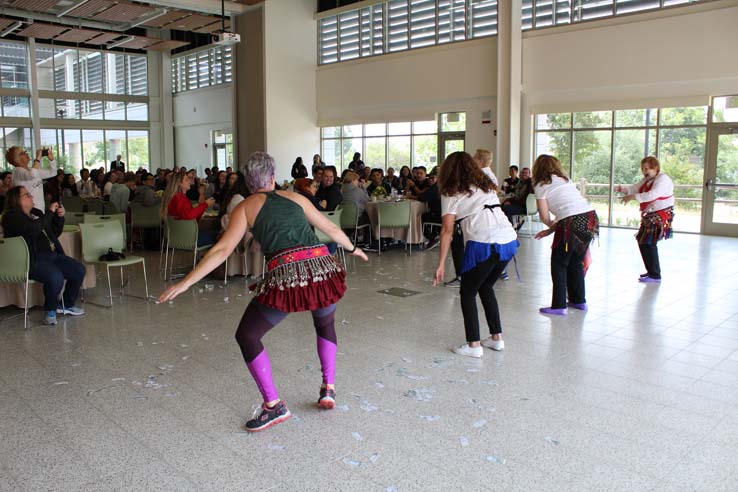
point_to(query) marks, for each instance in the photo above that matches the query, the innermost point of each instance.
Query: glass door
(449, 143)
(721, 186)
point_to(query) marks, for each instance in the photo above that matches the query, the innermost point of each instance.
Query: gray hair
(258, 171)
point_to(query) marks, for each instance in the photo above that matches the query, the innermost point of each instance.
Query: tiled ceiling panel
(90, 8)
(140, 42)
(215, 26)
(124, 12)
(104, 38)
(77, 35)
(165, 19)
(167, 45)
(42, 31)
(35, 5)
(5, 23)
(192, 22)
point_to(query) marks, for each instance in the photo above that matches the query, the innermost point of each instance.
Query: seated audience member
(144, 193)
(308, 188)
(318, 174)
(69, 186)
(175, 204)
(120, 193)
(100, 180)
(330, 189)
(54, 187)
(432, 197)
(48, 263)
(6, 183)
(113, 177)
(193, 193)
(404, 177)
(515, 204)
(419, 183)
(365, 174)
(237, 193)
(353, 193)
(509, 183)
(86, 187)
(391, 179)
(377, 180)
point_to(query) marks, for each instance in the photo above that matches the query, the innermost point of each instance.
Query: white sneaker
(498, 345)
(469, 351)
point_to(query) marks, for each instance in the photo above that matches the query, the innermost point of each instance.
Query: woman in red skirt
(301, 276)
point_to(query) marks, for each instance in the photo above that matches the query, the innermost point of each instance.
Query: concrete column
(35, 117)
(249, 121)
(509, 77)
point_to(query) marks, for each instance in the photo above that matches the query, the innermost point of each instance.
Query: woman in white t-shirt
(574, 228)
(655, 193)
(468, 197)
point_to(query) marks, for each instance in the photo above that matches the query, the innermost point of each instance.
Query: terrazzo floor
(638, 394)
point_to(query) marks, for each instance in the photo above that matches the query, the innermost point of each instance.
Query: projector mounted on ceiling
(223, 37)
(226, 38)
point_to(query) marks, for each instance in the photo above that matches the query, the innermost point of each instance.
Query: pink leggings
(259, 319)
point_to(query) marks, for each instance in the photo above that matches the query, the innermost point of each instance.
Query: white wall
(196, 114)
(414, 85)
(290, 52)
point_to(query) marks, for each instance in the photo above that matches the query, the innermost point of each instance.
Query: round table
(411, 235)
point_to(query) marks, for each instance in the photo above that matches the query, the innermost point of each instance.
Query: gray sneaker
(50, 318)
(72, 311)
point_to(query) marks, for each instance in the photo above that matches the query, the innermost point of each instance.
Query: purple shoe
(582, 306)
(643, 275)
(650, 280)
(554, 311)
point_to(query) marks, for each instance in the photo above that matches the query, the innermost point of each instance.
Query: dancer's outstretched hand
(440, 273)
(545, 232)
(173, 291)
(360, 253)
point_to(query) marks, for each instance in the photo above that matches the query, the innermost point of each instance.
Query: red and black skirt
(304, 278)
(576, 232)
(655, 226)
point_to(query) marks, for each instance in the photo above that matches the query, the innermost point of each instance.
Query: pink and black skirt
(304, 278)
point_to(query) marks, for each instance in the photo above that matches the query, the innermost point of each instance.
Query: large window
(95, 148)
(546, 13)
(211, 66)
(382, 145)
(62, 69)
(397, 25)
(603, 149)
(76, 84)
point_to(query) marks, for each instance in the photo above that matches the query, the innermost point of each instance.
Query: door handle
(710, 185)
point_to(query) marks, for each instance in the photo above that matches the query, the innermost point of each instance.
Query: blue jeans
(52, 269)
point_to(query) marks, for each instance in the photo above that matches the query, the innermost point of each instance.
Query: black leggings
(650, 255)
(567, 275)
(481, 280)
